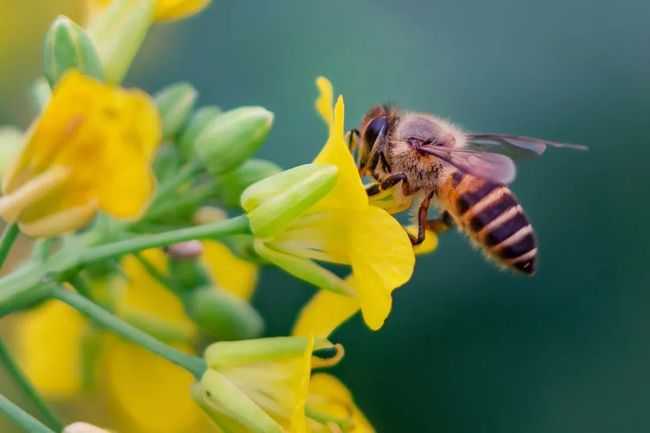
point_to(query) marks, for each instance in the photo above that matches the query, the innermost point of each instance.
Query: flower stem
(101, 317)
(232, 226)
(7, 240)
(28, 389)
(22, 418)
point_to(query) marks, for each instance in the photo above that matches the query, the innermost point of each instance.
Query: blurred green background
(467, 348)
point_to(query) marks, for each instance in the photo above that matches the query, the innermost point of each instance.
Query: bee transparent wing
(515, 146)
(490, 166)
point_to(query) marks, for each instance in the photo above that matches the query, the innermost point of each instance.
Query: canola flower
(137, 297)
(90, 150)
(340, 227)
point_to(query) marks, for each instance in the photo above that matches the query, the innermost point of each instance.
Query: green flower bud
(222, 315)
(118, 32)
(68, 46)
(232, 184)
(195, 126)
(229, 139)
(274, 203)
(175, 103)
(11, 140)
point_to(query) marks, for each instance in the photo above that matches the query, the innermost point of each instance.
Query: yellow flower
(164, 10)
(91, 149)
(257, 385)
(331, 409)
(50, 340)
(343, 228)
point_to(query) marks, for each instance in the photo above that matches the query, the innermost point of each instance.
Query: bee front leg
(389, 182)
(440, 224)
(352, 139)
(423, 212)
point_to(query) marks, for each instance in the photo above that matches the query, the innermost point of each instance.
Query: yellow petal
(325, 312)
(176, 9)
(382, 259)
(104, 136)
(329, 397)
(228, 271)
(149, 394)
(165, 10)
(48, 341)
(325, 99)
(348, 191)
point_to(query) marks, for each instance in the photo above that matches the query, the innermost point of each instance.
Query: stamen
(13, 204)
(57, 223)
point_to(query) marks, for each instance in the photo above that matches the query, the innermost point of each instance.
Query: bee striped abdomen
(490, 214)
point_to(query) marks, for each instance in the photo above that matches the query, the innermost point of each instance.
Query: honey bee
(426, 160)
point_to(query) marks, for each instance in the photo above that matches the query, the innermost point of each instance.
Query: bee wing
(515, 146)
(490, 166)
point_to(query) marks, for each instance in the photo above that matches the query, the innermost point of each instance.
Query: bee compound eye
(377, 126)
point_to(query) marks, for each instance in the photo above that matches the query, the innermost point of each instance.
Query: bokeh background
(467, 348)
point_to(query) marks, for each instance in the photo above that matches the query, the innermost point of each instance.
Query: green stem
(28, 389)
(22, 418)
(7, 240)
(101, 317)
(25, 285)
(232, 226)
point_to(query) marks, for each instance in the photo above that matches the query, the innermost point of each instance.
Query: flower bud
(117, 33)
(228, 140)
(68, 46)
(233, 183)
(187, 250)
(222, 315)
(275, 202)
(175, 103)
(195, 126)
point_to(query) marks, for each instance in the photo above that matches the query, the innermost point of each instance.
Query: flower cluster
(137, 297)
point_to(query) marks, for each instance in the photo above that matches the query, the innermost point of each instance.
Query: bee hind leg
(440, 224)
(423, 211)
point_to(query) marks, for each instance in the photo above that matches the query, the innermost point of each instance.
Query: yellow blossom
(343, 228)
(164, 10)
(257, 385)
(90, 150)
(331, 409)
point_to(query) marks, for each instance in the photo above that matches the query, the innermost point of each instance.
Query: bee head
(374, 128)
